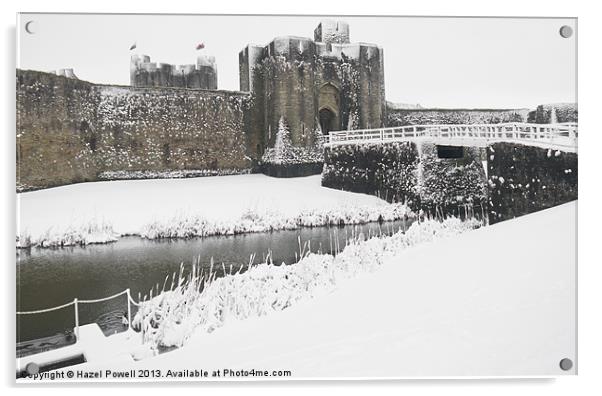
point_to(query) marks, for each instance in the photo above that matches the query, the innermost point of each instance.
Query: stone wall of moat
(71, 131)
(525, 179)
(409, 172)
(520, 179)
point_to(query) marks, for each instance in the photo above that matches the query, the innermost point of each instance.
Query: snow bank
(69, 235)
(497, 301)
(172, 174)
(187, 207)
(269, 220)
(174, 315)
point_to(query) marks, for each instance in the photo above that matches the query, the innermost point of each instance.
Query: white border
(590, 272)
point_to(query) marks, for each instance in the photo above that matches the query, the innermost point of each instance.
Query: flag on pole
(133, 46)
(200, 46)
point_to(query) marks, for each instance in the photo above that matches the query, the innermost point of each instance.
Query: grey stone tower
(327, 83)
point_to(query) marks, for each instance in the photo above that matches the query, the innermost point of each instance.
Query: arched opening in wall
(327, 121)
(328, 104)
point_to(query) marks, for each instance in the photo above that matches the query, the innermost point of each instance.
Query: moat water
(51, 277)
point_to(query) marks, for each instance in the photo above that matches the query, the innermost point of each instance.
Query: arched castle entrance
(328, 108)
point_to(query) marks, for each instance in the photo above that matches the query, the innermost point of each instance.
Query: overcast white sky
(437, 62)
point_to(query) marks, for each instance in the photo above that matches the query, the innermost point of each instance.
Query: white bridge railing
(550, 135)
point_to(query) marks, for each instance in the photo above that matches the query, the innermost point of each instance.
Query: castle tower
(323, 84)
(329, 32)
(207, 71)
(202, 75)
(65, 73)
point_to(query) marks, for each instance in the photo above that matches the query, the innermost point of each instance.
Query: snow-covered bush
(90, 233)
(202, 303)
(269, 220)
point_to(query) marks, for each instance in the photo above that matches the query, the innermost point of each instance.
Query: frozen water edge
(100, 212)
(180, 310)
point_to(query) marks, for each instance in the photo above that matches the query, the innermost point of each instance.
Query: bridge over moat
(554, 136)
(508, 169)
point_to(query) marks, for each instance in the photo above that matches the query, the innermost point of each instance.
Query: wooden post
(129, 310)
(76, 319)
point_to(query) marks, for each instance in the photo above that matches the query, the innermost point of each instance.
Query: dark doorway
(327, 121)
(448, 152)
(328, 106)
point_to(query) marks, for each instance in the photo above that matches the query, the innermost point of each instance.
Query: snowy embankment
(180, 310)
(497, 301)
(102, 211)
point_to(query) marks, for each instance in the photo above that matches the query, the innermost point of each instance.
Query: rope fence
(76, 303)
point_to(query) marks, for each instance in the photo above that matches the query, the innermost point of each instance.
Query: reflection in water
(51, 277)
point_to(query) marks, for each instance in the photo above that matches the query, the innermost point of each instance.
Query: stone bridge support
(524, 179)
(520, 179)
(422, 174)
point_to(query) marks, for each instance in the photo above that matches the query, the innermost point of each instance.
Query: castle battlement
(202, 75)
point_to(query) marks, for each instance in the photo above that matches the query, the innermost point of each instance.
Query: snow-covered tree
(283, 151)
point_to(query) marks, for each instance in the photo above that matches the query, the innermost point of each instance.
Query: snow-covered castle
(310, 86)
(324, 84)
(293, 91)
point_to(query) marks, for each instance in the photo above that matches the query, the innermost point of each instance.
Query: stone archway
(328, 108)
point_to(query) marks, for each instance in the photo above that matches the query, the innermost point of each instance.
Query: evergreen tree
(283, 151)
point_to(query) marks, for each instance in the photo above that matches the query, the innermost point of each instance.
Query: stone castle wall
(543, 114)
(557, 112)
(70, 130)
(402, 117)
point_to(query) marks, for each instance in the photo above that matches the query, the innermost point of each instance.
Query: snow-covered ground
(102, 211)
(497, 301)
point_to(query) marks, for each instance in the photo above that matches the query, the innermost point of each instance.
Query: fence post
(76, 319)
(129, 310)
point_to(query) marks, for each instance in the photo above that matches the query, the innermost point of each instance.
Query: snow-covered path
(492, 302)
(127, 207)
